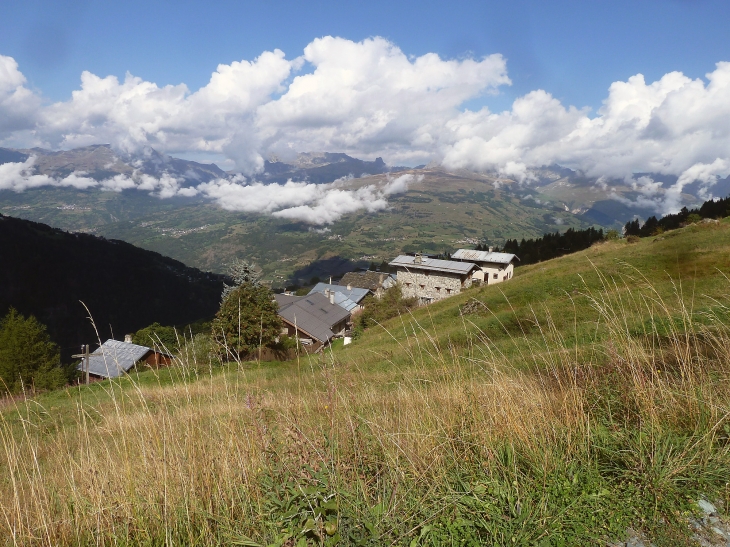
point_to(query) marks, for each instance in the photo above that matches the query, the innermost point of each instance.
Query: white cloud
(671, 126)
(133, 114)
(18, 105)
(399, 185)
(19, 177)
(370, 99)
(307, 202)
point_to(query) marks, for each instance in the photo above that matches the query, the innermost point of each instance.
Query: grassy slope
(587, 399)
(690, 261)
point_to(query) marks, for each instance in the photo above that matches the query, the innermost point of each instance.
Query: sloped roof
(114, 358)
(434, 264)
(343, 296)
(471, 255)
(313, 314)
(366, 280)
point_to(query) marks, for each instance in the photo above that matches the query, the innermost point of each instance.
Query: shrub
(157, 336)
(694, 218)
(611, 235)
(376, 310)
(246, 320)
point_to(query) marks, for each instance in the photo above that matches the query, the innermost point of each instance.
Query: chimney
(332, 297)
(349, 287)
(418, 258)
(491, 249)
(128, 338)
(382, 278)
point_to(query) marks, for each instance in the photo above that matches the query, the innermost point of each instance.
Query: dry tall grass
(193, 462)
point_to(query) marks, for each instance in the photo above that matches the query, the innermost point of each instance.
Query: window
(408, 285)
(448, 291)
(495, 276)
(438, 289)
(422, 286)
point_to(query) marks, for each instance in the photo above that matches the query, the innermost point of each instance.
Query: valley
(438, 211)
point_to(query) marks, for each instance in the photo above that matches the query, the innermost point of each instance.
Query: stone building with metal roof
(376, 282)
(114, 358)
(495, 267)
(312, 318)
(431, 279)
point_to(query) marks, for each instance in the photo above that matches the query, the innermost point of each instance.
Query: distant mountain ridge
(47, 272)
(320, 167)
(101, 161)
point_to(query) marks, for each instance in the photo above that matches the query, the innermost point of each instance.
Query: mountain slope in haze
(100, 161)
(442, 209)
(320, 167)
(439, 212)
(48, 273)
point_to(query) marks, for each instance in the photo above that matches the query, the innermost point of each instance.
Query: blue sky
(573, 49)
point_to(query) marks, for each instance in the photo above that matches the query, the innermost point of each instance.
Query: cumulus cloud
(370, 99)
(399, 185)
(18, 105)
(134, 114)
(674, 126)
(312, 203)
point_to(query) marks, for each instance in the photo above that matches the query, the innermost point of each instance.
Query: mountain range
(439, 210)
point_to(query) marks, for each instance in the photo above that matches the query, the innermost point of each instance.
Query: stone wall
(431, 286)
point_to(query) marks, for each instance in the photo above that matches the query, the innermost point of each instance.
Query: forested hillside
(47, 272)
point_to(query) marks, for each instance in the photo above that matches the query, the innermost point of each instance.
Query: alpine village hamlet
(326, 313)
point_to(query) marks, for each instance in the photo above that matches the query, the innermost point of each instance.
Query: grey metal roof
(483, 256)
(313, 314)
(114, 358)
(343, 296)
(284, 299)
(434, 264)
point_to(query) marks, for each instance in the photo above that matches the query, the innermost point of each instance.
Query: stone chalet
(375, 282)
(431, 279)
(494, 267)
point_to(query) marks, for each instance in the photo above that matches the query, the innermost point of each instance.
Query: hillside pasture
(586, 396)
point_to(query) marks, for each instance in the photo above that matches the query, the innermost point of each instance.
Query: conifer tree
(246, 320)
(28, 357)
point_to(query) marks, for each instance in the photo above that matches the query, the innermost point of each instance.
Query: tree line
(653, 225)
(531, 251)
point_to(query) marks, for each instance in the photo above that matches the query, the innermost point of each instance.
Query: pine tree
(241, 271)
(246, 320)
(28, 357)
